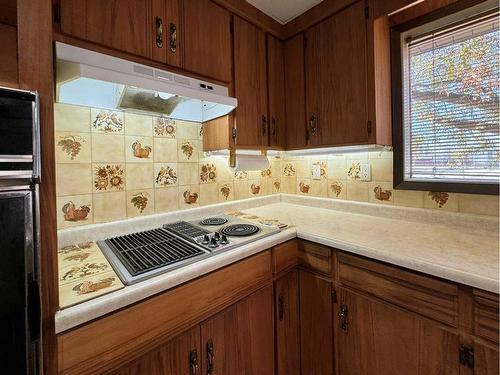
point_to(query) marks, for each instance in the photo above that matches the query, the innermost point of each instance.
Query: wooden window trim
(397, 111)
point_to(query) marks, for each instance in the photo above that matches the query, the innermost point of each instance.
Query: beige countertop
(458, 247)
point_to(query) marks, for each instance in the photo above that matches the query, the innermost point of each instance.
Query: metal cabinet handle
(193, 362)
(159, 32)
(281, 307)
(173, 38)
(313, 126)
(210, 357)
(264, 125)
(344, 322)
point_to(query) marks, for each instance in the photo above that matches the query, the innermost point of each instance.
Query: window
(447, 130)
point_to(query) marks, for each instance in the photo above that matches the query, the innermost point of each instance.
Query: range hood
(93, 79)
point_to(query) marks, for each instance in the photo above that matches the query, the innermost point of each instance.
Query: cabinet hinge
(466, 356)
(334, 296)
(369, 127)
(367, 12)
(233, 133)
(56, 9)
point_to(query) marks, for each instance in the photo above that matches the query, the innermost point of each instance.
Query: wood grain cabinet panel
(316, 329)
(424, 295)
(276, 83)
(250, 84)
(120, 24)
(179, 356)
(486, 359)
(285, 256)
(286, 302)
(486, 319)
(316, 257)
(376, 339)
(207, 39)
(240, 339)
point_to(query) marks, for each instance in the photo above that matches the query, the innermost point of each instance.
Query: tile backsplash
(113, 165)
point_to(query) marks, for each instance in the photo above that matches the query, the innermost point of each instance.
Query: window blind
(451, 104)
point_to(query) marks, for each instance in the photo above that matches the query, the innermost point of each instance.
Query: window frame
(399, 181)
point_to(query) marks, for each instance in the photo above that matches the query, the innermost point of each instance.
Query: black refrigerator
(20, 320)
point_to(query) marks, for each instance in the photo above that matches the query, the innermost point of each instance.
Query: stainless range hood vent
(93, 79)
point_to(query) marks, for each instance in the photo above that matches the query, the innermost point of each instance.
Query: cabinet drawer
(315, 257)
(424, 295)
(285, 256)
(486, 315)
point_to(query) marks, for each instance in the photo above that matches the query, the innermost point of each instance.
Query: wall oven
(19, 236)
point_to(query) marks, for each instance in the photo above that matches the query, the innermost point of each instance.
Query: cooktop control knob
(205, 240)
(217, 236)
(213, 243)
(223, 240)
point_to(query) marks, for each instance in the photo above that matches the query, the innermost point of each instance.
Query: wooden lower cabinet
(486, 359)
(240, 340)
(179, 356)
(316, 330)
(374, 338)
(286, 302)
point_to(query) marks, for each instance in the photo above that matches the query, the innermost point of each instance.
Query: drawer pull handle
(159, 32)
(344, 322)
(173, 38)
(193, 362)
(210, 357)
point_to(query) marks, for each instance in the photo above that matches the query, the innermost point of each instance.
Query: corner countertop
(457, 247)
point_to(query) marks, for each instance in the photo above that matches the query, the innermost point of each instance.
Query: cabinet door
(207, 39)
(250, 84)
(295, 92)
(180, 356)
(120, 24)
(374, 338)
(486, 359)
(240, 340)
(336, 79)
(316, 330)
(166, 40)
(276, 82)
(286, 302)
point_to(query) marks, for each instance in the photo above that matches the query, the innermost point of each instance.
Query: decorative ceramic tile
(188, 150)
(275, 167)
(73, 147)
(138, 149)
(409, 198)
(71, 118)
(289, 185)
(140, 202)
(357, 191)
(254, 175)
(73, 179)
(209, 194)
(139, 176)
(164, 127)
(381, 192)
(303, 168)
(77, 255)
(266, 186)
(105, 121)
(165, 150)
(223, 171)
(336, 189)
(167, 199)
(441, 200)
(74, 210)
(289, 170)
(255, 188)
(319, 188)
(109, 207)
(189, 196)
(354, 170)
(304, 186)
(241, 175)
(323, 168)
(276, 186)
(165, 174)
(478, 204)
(381, 169)
(226, 191)
(241, 189)
(69, 274)
(108, 177)
(337, 167)
(187, 130)
(208, 173)
(136, 124)
(108, 148)
(188, 173)
(266, 173)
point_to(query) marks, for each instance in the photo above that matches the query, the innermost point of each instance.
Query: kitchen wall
(113, 165)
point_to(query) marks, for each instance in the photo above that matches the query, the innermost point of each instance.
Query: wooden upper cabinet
(276, 83)
(240, 340)
(207, 39)
(120, 24)
(336, 79)
(180, 356)
(250, 84)
(165, 24)
(374, 338)
(295, 92)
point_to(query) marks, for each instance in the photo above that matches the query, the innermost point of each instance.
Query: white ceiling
(284, 11)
